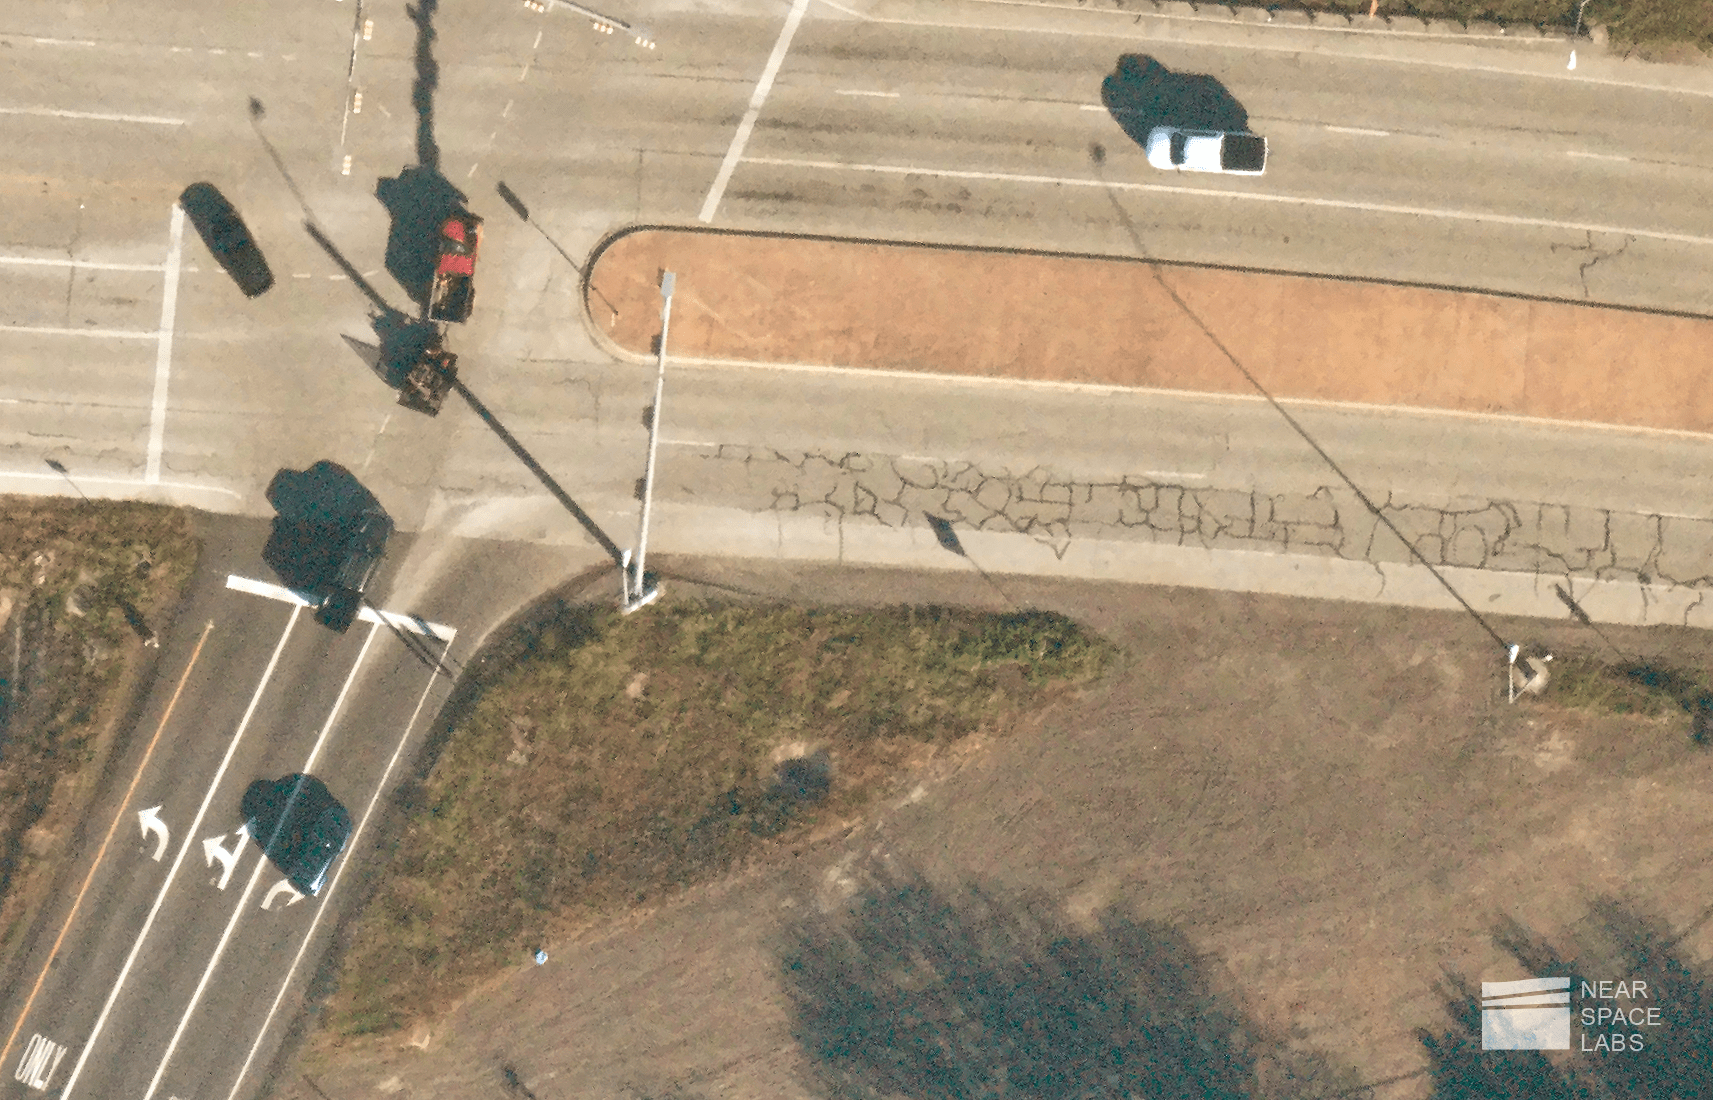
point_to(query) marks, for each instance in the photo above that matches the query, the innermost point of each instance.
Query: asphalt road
(1487, 166)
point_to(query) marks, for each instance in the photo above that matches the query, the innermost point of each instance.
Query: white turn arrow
(151, 822)
(282, 886)
(211, 851)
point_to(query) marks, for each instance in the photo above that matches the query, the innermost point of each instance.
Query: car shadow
(317, 512)
(229, 240)
(1140, 93)
(418, 200)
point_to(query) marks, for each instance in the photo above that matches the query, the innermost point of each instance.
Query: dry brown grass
(68, 651)
(627, 758)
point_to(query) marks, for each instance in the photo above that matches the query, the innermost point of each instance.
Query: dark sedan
(227, 237)
(300, 826)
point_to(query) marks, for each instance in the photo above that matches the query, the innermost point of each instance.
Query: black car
(366, 542)
(226, 236)
(300, 826)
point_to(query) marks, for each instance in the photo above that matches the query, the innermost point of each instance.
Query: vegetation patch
(1646, 689)
(618, 759)
(1631, 23)
(81, 587)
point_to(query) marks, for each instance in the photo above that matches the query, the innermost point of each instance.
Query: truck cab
(453, 295)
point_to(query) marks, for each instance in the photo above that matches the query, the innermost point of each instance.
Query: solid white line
(84, 479)
(1238, 196)
(413, 623)
(189, 837)
(858, 91)
(326, 901)
(105, 333)
(256, 875)
(51, 261)
(1596, 156)
(94, 116)
(270, 591)
(741, 138)
(163, 350)
(1358, 131)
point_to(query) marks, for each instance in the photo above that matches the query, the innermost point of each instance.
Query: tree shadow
(915, 991)
(1141, 94)
(1615, 943)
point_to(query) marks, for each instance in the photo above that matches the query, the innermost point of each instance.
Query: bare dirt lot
(1333, 803)
(1001, 314)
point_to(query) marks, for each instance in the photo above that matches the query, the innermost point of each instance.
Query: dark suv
(226, 236)
(328, 539)
(300, 826)
(366, 542)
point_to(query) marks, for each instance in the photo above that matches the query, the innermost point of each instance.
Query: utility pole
(637, 591)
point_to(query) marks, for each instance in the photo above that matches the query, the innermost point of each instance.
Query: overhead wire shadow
(1097, 155)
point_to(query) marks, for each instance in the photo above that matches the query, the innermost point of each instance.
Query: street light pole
(637, 592)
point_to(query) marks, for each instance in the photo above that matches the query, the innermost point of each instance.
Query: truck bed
(1244, 153)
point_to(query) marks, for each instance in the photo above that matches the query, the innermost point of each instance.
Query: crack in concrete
(1596, 256)
(1547, 539)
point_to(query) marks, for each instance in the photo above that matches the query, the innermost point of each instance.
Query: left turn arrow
(151, 822)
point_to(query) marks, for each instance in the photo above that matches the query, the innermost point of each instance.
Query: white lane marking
(178, 860)
(1091, 107)
(1174, 475)
(105, 333)
(1596, 156)
(756, 99)
(125, 482)
(413, 623)
(41, 329)
(261, 866)
(858, 91)
(163, 350)
(271, 591)
(54, 261)
(688, 443)
(1238, 196)
(327, 898)
(91, 116)
(1359, 131)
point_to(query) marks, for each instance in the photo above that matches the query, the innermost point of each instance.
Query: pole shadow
(536, 468)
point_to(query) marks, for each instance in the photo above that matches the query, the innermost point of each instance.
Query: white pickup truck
(1206, 151)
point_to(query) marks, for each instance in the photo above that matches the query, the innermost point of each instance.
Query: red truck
(453, 294)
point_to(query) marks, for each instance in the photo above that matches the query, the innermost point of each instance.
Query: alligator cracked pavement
(1550, 541)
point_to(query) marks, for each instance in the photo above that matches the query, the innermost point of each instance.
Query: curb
(1305, 18)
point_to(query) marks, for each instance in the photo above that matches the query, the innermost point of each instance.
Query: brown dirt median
(1074, 319)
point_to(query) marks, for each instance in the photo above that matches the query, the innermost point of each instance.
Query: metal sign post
(637, 591)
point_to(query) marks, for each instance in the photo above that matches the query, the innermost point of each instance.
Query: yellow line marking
(111, 829)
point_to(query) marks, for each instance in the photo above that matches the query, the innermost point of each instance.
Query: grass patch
(1646, 690)
(621, 759)
(68, 573)
(1631, 23)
